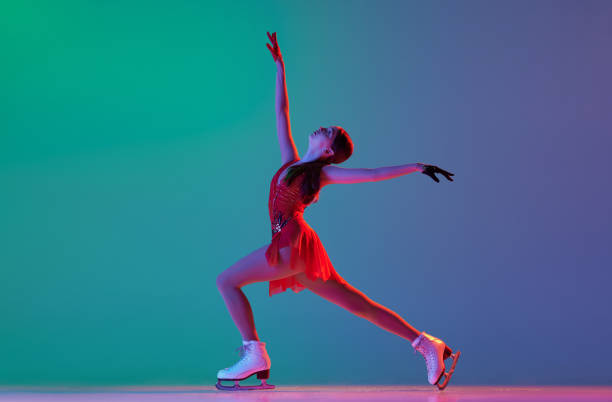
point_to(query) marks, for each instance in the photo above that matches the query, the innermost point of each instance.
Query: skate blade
(262, 375)
(238, 387)
(449, 373)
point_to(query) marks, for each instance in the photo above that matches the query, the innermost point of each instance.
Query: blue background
(138, 142)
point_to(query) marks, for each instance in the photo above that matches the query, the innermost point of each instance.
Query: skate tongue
(417, 341)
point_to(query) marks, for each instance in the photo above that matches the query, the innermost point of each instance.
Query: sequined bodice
(285, 202)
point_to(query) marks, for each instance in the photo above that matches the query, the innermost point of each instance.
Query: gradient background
(138, 145)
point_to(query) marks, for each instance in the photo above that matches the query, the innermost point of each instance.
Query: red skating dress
(290, 229)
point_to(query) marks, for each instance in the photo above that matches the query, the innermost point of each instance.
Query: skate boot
(254, 359)
(435, 352)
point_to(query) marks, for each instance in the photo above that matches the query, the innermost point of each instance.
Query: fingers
(271, 51)
(272, 38)
(274, 48)
(445, 173)
(433, 176)
(431, 170)
(436, 169)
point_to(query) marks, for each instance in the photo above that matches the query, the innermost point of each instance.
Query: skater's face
(321, 141)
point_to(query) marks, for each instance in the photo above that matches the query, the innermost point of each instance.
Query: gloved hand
(276, 53)
(429, 170)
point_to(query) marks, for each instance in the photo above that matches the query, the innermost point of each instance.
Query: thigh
(341, 293)
(254, 267)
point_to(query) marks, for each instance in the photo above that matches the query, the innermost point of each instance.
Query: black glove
(429, 170)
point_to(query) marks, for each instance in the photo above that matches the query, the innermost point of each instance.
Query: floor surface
(381, 393)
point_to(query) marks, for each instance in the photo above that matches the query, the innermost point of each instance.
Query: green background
(138, 141)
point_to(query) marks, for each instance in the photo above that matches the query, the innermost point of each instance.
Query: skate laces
(242, 350)
(429, 357)
(419, 344)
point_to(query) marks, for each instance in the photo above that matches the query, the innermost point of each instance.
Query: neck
(310, 157)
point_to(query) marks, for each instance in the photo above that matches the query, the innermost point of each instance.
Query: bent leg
(252, 268)
(355, 301)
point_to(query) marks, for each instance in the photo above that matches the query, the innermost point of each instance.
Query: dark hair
(343, 149)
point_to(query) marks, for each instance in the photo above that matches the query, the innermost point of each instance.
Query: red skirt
(306, 247)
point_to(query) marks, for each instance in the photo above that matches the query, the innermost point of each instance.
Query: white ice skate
(254, 359)
(435, 352)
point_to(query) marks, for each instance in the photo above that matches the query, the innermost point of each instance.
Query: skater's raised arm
(283, 123)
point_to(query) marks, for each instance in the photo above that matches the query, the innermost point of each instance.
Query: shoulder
(327, 173)
(290, 160)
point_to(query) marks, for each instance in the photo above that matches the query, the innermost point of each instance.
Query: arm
(389, 172)
(333, 174)
(283, 123)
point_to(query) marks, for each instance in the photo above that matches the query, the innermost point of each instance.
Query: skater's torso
(285, 203)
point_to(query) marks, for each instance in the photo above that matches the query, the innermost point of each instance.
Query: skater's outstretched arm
(389, 172)
(333, 174)
(283, 123)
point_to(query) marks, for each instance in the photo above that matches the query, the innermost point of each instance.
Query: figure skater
(296, 259)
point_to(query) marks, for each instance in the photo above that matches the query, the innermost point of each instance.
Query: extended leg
(433, 349)
(355, 301)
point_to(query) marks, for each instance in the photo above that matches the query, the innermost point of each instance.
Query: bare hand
(429, 170)
(276, 53)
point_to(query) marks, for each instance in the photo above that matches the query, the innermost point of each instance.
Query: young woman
(296, 259)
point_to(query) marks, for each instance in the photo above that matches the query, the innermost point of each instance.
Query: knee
(224, 281)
